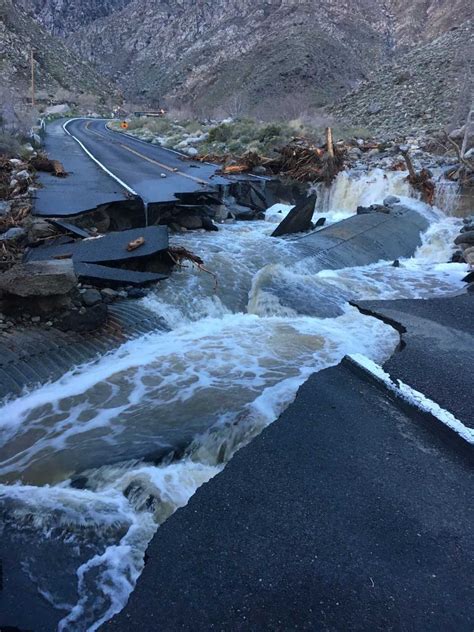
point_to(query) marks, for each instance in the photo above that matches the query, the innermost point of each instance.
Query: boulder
(42, 278)
(5, 207)
(136, 292)
(469, 256)
(373, 153)
(243, 213)
(62, 108)
(208, 224)
(22, 175)
(39, 229)
(374, 108)
(91, 297)
(109, 295)
(191, 221)
(465, 238)
(354, 153)
(298, 219)
(85, 320)
(390, 200)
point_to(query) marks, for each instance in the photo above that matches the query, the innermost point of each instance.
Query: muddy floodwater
(81, 460)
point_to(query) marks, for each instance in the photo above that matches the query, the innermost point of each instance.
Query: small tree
(236, 105)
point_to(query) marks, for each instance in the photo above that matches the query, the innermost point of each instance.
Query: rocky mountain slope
(210, 53)
(415, 22)
(207, 52)
(55, 66)
(270, 57)
(61, 17)
(428, 86)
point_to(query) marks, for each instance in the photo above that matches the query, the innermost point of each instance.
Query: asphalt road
(439, 348)
(350, 512)
(84, 189)
(106, 167)
(140, 165)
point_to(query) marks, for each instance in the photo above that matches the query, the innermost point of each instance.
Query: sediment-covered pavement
(352, 511)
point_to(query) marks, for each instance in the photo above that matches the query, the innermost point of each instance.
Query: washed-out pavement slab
(112, 247)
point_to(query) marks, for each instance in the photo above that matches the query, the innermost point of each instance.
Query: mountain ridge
(260, 57)
(56, 67)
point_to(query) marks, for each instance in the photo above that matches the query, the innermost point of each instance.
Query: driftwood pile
(300, 160)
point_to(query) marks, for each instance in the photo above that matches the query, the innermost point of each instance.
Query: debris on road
(300, 160)
(136, 243)
(43, 163)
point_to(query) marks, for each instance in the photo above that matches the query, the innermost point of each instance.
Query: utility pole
(32, 61)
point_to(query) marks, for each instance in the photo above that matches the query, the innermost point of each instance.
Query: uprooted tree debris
(178, 254)
(464, 172)
(421, 181)
(300, 160)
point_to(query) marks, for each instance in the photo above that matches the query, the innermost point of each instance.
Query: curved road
(140, 165)
(105, 166)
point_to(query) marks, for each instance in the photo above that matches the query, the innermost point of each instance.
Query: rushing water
(82, 467)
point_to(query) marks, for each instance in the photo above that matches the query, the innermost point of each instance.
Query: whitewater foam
(232, 361)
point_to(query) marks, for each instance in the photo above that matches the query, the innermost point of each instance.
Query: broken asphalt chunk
(114, 277)
(109, 248)
(298, 219)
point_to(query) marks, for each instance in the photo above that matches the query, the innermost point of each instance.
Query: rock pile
(47, 294)
(465, 242)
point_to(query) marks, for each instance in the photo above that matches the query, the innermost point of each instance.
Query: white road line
(103, 167)
(414, 398)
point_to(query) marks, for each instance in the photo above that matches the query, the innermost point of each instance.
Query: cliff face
(419, 21)
(55, 66)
